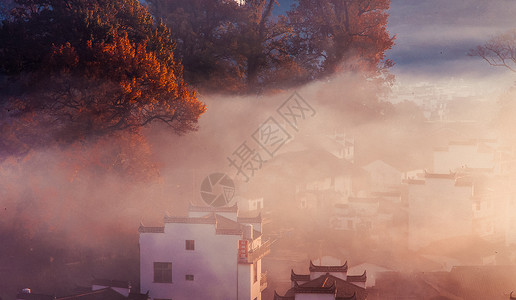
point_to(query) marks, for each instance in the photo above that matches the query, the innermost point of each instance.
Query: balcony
(263, 281)
(255, 254)
(259, 252)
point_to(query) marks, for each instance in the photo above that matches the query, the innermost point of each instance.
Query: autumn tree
(225, 46)
(87, 68)
(250, 48)
(265, 46)
(332, 32)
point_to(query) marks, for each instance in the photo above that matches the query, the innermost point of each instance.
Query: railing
(259, 252)
(263, 281)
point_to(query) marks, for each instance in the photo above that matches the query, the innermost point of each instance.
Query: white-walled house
(338, 183)
(382, 176)
(341, 145)
(472, 154)
(327, 181)
(210, 254)
(358, 214)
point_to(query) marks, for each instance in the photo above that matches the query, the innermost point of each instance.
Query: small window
(163, 272)
(190, 245)
(189, 277)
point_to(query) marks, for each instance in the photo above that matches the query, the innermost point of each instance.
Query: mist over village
(257, 149)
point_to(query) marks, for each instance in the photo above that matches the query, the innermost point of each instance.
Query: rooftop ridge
(413, 181)
(314, 268)
(195, 208)
(228, 231)
(450, 175)
(191, 220)
(144, 229)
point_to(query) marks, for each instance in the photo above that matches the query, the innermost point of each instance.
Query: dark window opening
(163, 272)
(190, 245)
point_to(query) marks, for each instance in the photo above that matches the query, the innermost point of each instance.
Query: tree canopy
(84, 68)
(227, 47)
(500, 51)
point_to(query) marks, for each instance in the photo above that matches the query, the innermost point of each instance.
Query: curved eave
(358, 278)
(314, 268)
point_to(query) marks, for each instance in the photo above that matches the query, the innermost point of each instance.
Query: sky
(433, 38)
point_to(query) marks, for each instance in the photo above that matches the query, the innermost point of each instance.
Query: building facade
(210, 254)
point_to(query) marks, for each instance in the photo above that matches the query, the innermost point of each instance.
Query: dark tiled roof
(327, 284)
(102, 294)
(358, 278)
(257, 219)
(143, 229)
(227, 226)
(314, 268)
(31, 296)
(194, 208)
(298, 277)
(208, 219)
(111, 283)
